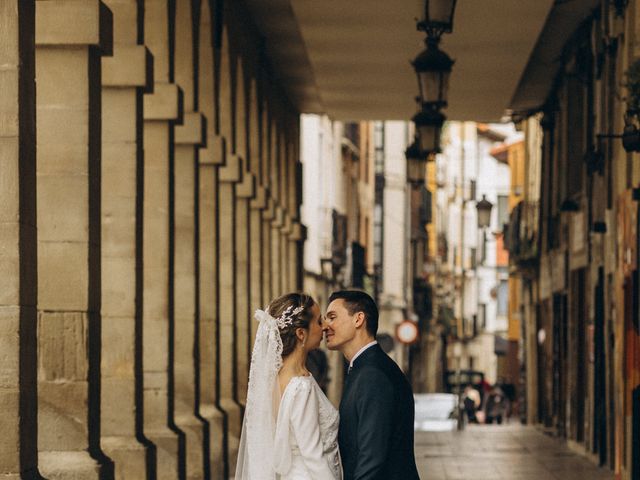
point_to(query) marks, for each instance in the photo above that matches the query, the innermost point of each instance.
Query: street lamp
(438, 17)
(433, 68)
(429, 123)
(630, 135)
(416, 163)
(483, 208)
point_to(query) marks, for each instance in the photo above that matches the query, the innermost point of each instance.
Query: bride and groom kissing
(291, 431)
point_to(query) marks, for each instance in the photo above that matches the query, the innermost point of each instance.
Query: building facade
(573, 239)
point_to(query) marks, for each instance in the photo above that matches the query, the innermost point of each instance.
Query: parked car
(436, 412)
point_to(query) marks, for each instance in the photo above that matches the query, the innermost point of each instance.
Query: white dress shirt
(359, 352)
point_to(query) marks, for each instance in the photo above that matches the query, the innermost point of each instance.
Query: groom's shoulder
(379, 363)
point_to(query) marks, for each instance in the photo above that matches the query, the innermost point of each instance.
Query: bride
(290, 428)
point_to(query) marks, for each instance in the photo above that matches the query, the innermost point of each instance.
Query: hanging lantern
(433, 69)
(429, 123)
(483, 208)
(438, 17)
(416, 163)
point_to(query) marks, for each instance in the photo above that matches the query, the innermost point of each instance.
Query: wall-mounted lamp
(483, 208)
(569, 205)
(630, 135)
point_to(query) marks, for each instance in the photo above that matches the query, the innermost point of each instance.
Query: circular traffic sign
(407, 332)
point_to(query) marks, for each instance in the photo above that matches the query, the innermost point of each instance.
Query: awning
(545, 62)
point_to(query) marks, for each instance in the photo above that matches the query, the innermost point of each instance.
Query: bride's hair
(295, 310)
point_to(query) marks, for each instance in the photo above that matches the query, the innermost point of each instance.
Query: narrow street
(508, 452)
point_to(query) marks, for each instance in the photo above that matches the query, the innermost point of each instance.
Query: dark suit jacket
(376, 420)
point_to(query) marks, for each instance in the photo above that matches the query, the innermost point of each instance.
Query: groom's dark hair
(357, 301)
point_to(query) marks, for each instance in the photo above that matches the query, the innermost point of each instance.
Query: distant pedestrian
(496, 406)
(471, 402)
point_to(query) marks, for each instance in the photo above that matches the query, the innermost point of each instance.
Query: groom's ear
(360, 319)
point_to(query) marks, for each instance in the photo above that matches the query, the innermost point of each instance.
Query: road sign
(407, 332)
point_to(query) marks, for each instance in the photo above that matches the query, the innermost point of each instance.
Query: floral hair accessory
(286, 319)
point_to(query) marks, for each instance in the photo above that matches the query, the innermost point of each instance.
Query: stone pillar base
(167, 453)
(234, 416)
(216, 438)
(194, 433)
(68, 466)
(129, 457)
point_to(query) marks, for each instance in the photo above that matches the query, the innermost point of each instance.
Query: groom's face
(339, 326)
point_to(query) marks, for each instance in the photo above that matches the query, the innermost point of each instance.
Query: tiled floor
(507, 452)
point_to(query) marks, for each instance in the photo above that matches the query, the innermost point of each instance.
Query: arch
(184, 56)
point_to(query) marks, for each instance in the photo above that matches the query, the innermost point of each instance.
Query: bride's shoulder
(297, 384)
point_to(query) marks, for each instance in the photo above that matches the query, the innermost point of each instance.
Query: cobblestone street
(511, 452)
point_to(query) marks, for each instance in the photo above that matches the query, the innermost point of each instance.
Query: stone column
(285, 231)
(276, 250)
(298, 233)
(269, 280)
(290, 253)
(162, 109)
(230, 176)
(257, 278)
(189, 137)
(245, 191)
(209, 158)
(18, 256)
(297, 239)
(68, 185)
(124, 78)
(208, 355)
(268, 207)
(256, 207)
(275, 187)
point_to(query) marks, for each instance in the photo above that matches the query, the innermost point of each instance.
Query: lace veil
(256, 454)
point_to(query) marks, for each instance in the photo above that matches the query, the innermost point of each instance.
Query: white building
(356, 210)
(475, 271)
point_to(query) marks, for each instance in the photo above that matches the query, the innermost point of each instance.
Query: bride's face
(315, 329)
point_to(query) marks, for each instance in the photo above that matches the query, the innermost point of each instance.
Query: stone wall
(150, 204)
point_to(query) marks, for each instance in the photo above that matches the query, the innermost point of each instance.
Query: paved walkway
(506, 452)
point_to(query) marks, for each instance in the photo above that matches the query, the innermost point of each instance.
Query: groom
(377, 409)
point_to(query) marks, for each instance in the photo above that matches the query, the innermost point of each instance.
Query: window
(482, 317)
(503, 298)
(503, 211)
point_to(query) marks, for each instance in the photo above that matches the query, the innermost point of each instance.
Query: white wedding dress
(292, 436)
(306, 445)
